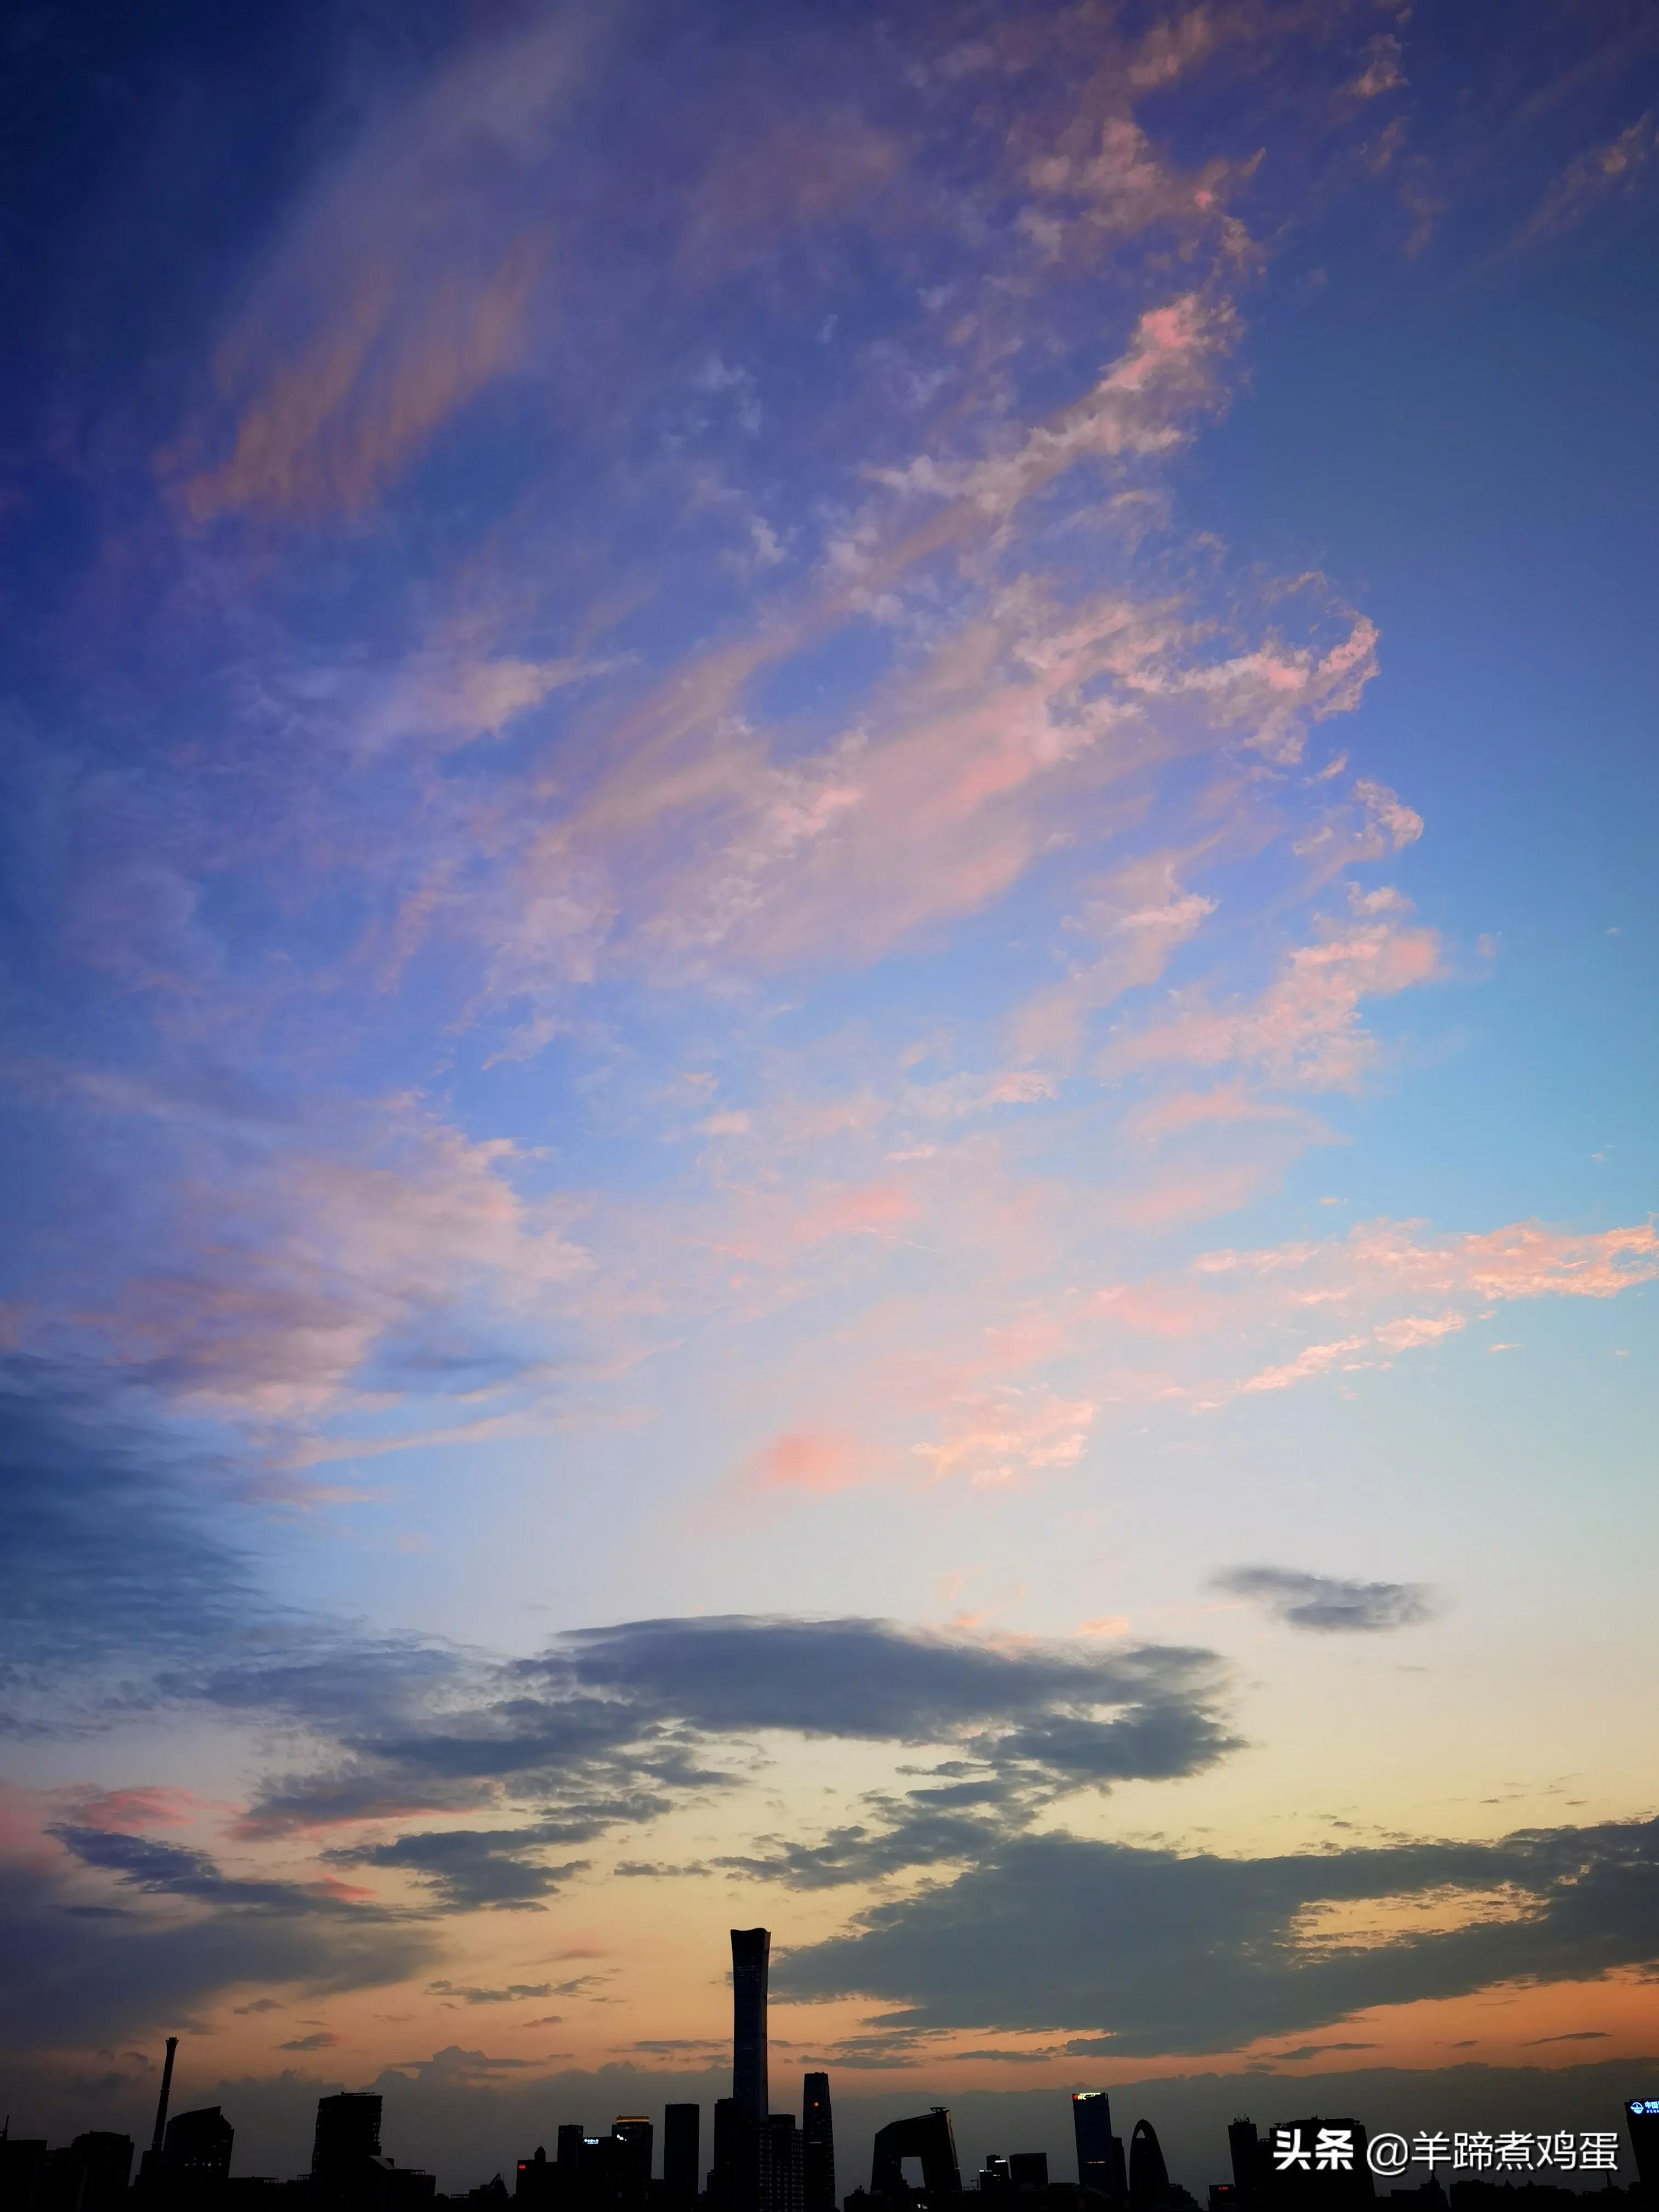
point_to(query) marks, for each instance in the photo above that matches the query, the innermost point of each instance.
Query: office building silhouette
(537, 2178)
(682, 2128)
(638, 2138)
(724, 2151)
(927, 2137)
(1249, 2158)
(196, 2152)
(778, 2164)
(1642, 2118)
(817, 2147)
(1091, 2128)
(90, 2175)
(569, 2142)
(1149, 2178)
(345, 2147)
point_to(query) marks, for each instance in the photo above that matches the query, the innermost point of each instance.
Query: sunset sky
(829, 957)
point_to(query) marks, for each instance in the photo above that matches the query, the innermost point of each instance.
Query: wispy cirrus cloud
(397, 294)
(1619, 169)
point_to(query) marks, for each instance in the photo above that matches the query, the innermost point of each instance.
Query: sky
(827, 957)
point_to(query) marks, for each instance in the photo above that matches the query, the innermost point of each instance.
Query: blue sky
(828, 974)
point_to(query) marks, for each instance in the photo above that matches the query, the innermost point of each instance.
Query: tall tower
(751, 1951)
(818, 2146)
(157, 2139)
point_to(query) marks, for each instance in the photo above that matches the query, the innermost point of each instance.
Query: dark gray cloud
(905, 1835)
(473, 1869)
(1156, 1952)
(852, 1677)
(476, 1997)
(606, 1726)
(72, 1980)
(174, 1870)
(322, 2040)
(1035, 2058)
(1324, 1603)
(1314, 2050)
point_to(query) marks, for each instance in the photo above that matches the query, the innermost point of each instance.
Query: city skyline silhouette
(827, 951)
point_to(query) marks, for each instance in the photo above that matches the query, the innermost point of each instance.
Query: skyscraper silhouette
(929, 2137)
(818, 2145)
(639, 2137)
(734, 2182)
(1249, 2157)
(1091, 2125)
(751, 1951)
(682, 2127)
(1642, 2118)
(1149, 2178)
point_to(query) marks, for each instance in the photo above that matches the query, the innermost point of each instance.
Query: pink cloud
(1419, 1329)
(819, 1460)
(856, 1213)
(1140, 405)
(997, 1436)
(1316, 1359)
(1136, 918)
(1305, 1027)
(155, 1805)
(1379, 1265)
(284, 1282)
